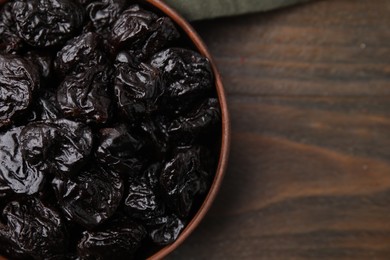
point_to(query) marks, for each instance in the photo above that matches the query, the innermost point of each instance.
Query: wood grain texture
(309, 174)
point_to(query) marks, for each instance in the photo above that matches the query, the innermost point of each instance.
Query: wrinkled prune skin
(18, 80)
(187, 74)
(34, 229)
(132, 27)
(142, 202)
(137, 90)
(44, 62)
(164, 32)
(183, 179)
(104, 13)
(61, 147)
(119, 240)
(118, 150)
(8, 249)
(10, 42)
(142, 32)
(85, 96)
(202, 120)
(164, 230)
(16, 173)
(154, 130)
(44, 23)
(48, 108)
(91, 197)
(80, 54)
(151, 175)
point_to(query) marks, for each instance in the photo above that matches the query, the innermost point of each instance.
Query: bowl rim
(225, 142)
(225, 138)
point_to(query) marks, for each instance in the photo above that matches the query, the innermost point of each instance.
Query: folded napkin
(205, 9)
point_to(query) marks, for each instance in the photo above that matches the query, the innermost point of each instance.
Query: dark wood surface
(309, 174)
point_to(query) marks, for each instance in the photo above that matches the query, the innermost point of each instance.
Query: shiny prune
(85, 96)
(91, 197)
(164, 230)
(186, 73)
(80, 54)
(132, 27)
(118, 150)
(10, 42)
(151, 175)
(154, 131)
(16, 173)
(34, 229)
(164, 31)
(142, 202)
(202, 120)
(142, 32)
(183, 178)
(44, 62)
(43, 23)
(104, 13)
(48, 108)
(120, 240)
(18, 79)
(8, 249)
(61, 147)
(137, 90)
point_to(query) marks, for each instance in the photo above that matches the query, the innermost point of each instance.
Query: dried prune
(8, 249)
(36, 230)
(80, 54)
(183, 178)
(186, 73)
(118, 150)
(15, 172)
(18, 80)
(85, 96)
(201, 120)
(120, 240)
(164, 230)
(137, 90)
(151, 175)
(48, 108)
(91, 197)
(10, 42)
(132, 27)
(154, 131)
(104, 13)
(142, 32)
(44, 23)
(61, 147)
(142, 202)
(44, 62)
(164, 31)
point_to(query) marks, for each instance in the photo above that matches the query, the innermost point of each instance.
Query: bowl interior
(225, 136)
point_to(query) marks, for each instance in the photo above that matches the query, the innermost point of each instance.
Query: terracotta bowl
(225, 137)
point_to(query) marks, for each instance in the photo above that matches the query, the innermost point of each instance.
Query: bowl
(225, 134)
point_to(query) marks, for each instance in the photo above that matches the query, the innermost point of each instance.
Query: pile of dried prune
(109, 129)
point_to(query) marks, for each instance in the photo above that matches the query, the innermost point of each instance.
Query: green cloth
(205, 9)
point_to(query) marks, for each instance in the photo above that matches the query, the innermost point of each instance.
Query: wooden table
(309, 174)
